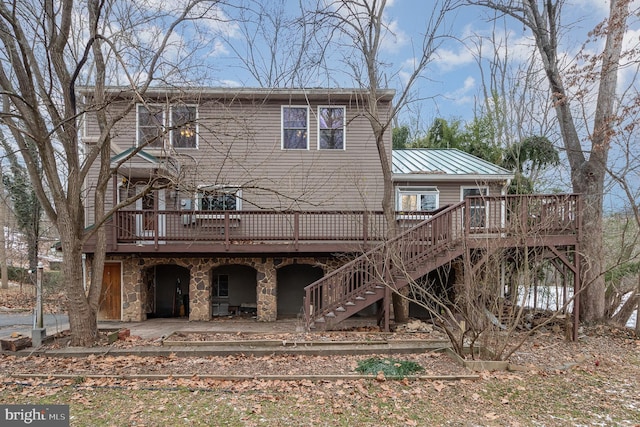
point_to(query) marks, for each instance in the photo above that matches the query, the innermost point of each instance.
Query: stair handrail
(311, 311)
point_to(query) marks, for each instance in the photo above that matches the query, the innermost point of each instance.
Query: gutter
(446, 177)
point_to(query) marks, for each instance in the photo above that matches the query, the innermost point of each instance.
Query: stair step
(379, 287)
(359, 298)
(330, 314)
(349, 303)
(369, 293)
(341, 309)
(319, 320)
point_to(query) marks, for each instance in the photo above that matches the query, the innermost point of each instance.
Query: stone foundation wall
(137, 277)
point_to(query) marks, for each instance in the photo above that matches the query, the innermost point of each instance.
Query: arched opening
(233, 290)
(292, 280)
(168, 291)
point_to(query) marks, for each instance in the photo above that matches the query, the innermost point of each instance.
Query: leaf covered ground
(594, 382)
(591, 382)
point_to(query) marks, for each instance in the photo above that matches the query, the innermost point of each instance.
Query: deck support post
(387, 307)
(576, 294)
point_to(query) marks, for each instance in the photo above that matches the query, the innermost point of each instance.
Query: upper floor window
(153, 122)
(331, 124)
(219, 199)
(295, 128)
(418, 199)
(151, 126)
(183, 126)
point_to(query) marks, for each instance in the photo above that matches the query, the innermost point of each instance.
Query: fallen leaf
(491, 416)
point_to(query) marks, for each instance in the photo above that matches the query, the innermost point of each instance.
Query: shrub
(18, 274)
(52, 280)
(391, 368)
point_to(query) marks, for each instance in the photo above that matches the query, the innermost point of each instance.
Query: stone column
(267, 288)
(200, 291)
(133, 291)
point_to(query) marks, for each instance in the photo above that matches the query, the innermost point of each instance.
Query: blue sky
(451, 86)
(452, 82)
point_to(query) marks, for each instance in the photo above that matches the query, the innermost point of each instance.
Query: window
(477, 211)
(150, 126)
(153, 124)
(295, 128)
(331, 124)
(220, 286)
(418, 199)
(183, 123)
(219, 199)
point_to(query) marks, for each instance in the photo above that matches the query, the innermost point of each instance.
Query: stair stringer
(401, 277)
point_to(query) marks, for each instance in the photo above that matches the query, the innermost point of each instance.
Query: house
(265, 191)
(262, 198)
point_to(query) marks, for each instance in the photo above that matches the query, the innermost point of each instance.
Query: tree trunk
(3, 244)
(82, 318)
(398, 298)
(588, 177)
(638, 309)
(588, 174)
(592, 298)
(622, 316)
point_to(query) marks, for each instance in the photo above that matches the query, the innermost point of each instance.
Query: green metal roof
(126, 153)
(444, 164)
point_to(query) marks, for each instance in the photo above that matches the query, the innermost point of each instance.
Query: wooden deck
(541, 221)
(550, 217)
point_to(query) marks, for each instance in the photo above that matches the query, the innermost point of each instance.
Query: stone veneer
(136, 274)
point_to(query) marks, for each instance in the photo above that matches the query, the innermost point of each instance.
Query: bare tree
(512, 98)
(623, 290)
(273, 45)
(25, 205)
(48, 51)
(587, 158)
(355, 31)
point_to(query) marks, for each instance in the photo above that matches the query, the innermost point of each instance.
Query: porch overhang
(136, 163)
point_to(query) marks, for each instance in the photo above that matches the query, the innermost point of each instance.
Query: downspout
(503, 221)
(83, 260)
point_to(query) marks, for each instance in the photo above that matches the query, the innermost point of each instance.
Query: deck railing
(134, 226)
(492, 214)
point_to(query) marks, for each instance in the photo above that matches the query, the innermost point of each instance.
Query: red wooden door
(110, 294)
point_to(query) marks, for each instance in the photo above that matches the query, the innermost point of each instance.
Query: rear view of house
(257, 194)
(267, 202)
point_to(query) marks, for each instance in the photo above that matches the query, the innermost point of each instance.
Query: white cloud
(394, 39)
(229, 83)
(448, 59)
(461, 95)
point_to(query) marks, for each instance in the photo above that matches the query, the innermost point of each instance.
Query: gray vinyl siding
(450, 192)
(239, 144)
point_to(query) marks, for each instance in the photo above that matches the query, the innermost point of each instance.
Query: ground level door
(110, 294)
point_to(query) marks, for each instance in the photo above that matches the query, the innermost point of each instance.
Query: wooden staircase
(432, 243)
(384, 269)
